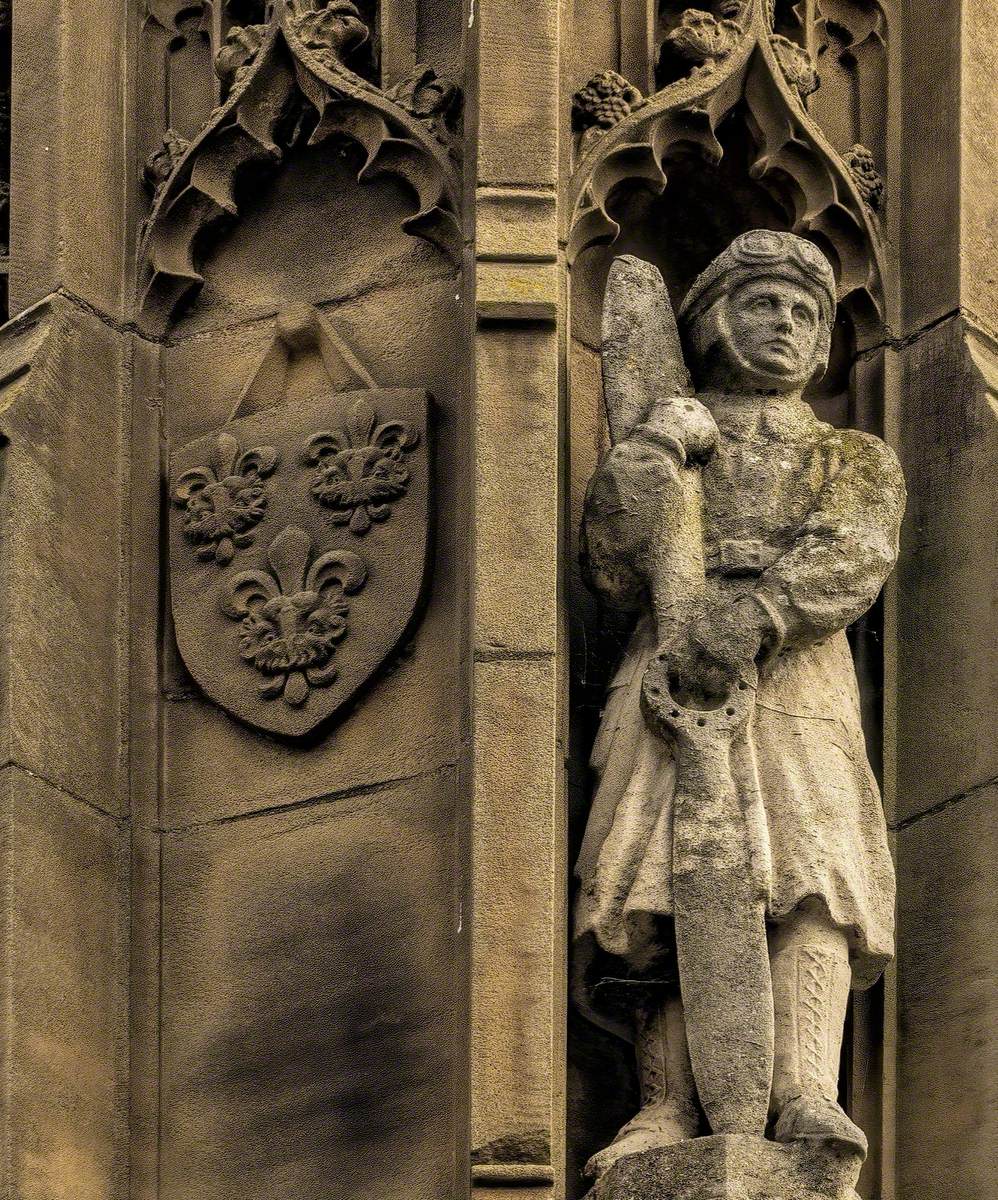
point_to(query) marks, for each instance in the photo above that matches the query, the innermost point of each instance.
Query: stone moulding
(251, 134)
(792, 159)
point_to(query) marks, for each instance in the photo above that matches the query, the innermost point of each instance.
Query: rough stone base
(733, 1167)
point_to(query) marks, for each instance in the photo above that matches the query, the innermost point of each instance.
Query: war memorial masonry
(499, 547)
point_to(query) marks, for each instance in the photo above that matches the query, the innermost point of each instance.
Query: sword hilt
(694, 726)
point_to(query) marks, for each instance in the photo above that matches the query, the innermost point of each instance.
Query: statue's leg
(809, 958)
(669, 1110)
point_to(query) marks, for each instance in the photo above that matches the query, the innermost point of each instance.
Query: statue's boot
(811, 975)
(668, 1111)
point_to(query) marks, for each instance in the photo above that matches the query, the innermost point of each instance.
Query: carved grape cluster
(606, 99)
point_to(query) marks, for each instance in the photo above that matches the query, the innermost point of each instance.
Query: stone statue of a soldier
(735, 878)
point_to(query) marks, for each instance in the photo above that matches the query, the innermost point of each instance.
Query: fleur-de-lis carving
(333, 29)
(294, 615)
(362, 468)
(224, 501)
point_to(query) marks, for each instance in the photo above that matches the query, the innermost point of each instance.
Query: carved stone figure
(735, 877)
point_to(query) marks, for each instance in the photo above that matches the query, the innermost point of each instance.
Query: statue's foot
(655, 1126)
(817, 1119)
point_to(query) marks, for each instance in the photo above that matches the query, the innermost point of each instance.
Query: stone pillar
(65, 419)
(946, 756)
(517, 913)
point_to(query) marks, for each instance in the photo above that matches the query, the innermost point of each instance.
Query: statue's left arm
(844, 550)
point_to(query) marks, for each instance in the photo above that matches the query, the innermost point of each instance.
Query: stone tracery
(289, 82)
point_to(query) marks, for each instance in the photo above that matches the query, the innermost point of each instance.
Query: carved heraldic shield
(298, 552)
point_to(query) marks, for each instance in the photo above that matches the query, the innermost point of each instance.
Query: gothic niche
(177, 47)
(720, 182)
(301, 257)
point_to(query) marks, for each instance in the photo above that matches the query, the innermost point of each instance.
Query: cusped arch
(287, 94)
(754, 82)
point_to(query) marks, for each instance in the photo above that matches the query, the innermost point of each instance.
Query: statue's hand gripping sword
(719, 909)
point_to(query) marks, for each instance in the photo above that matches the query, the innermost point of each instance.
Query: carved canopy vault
(746, 114)
(739, 72)
(289, 86)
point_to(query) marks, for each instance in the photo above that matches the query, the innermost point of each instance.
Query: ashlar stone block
(64, 987)
(732, 1167)
(62, 527)
(312, 1001)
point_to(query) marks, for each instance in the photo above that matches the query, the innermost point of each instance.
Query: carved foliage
(160, 165)
(796, 65)
(362, 468)
(241, 46)
(334, 32)
(293, 615)
(430, 98)
(703, 38)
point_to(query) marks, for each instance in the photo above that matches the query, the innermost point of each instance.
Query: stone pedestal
(733, 1167)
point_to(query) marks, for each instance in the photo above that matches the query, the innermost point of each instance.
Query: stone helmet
(757, 254)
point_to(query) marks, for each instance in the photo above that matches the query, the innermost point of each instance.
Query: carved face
(369, 475)
(292, 633)
(774, 325)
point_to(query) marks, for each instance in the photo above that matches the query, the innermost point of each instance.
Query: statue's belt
(740, 556)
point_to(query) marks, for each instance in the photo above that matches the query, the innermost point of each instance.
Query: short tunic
(805, 518)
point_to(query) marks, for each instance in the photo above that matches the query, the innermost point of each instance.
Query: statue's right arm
(622, 519)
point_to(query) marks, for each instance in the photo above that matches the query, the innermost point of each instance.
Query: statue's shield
(298, 551)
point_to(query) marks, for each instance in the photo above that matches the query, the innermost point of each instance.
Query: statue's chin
(770, 378)
(762, 372)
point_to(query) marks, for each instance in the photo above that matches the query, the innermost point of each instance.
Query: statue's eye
(760, 303)
(804, 314)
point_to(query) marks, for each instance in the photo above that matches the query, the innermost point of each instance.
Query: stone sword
(719, 907)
